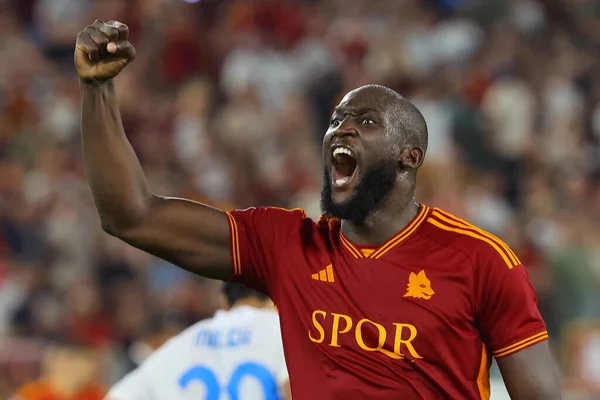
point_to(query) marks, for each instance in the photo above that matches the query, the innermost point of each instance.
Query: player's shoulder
(183, 339)
(266, 325)
(272, 211)
(258, 318)
(278, 214)
(180, 344)
(243, 315)
(467, 238)
(262, 322)
(267, 315)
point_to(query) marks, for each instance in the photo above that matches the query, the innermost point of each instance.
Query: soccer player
(238, 352)
(382, 298)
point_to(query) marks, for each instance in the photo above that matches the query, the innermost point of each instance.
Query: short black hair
(236, 292)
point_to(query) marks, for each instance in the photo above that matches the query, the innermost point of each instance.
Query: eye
(367, 121)
(334, 123)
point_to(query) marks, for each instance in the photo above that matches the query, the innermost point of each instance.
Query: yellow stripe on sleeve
(235, 246)
(508, 350)
(453, 220)
(475, 235)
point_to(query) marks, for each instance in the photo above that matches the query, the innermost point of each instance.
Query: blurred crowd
(227, 103)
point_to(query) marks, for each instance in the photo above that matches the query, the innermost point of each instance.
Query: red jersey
(416, 318)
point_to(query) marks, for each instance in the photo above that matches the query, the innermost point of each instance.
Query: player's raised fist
(103, 50)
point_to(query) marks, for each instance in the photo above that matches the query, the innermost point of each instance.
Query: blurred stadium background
(227, 103)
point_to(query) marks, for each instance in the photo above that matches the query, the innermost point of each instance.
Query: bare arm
(530, 374)
(189, 234)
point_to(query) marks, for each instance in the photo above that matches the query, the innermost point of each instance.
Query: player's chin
(343, 187)
(339, 197)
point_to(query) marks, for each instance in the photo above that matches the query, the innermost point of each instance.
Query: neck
(383, 223)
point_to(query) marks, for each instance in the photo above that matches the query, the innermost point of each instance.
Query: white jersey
(237, 354)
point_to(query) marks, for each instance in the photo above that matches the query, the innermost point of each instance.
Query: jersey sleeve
(506, 303)
(259, 236)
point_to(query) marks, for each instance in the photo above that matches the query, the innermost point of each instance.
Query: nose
(346, 128)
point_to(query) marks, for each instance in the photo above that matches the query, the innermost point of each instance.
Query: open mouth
(344, 166)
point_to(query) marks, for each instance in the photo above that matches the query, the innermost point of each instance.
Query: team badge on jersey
(419, 286)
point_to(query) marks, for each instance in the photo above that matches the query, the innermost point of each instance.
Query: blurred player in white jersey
(236, 355)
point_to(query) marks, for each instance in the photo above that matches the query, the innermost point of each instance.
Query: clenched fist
(102, 51)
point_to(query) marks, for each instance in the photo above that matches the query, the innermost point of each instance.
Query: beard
(374, 185)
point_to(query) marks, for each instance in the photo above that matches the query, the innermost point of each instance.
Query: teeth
(342, 150)
(341, 181)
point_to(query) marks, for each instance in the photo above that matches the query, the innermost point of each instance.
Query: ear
(411, 157)
(412, 277)
(421, 274)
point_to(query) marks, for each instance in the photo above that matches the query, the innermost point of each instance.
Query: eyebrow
(359, 111)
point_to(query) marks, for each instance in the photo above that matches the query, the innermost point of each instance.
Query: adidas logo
(324, 275)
